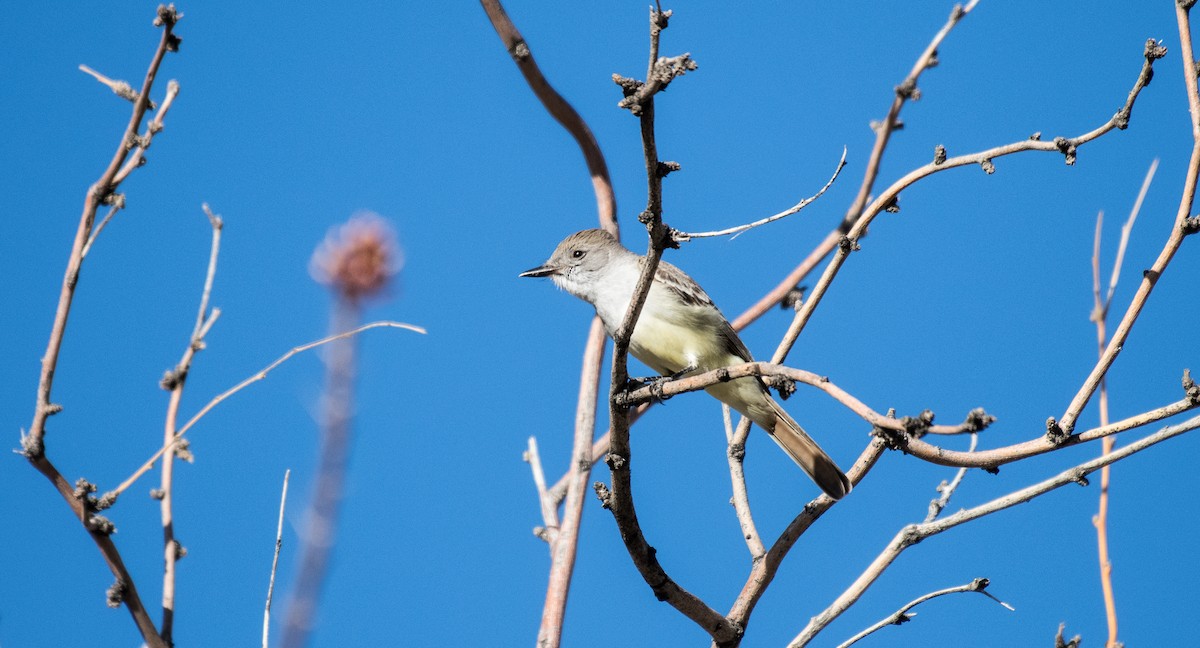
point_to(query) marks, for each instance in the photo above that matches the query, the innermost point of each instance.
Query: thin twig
(175, 381)
(619, 500)
(1178, 231)
(548, 532)
(320, 534)
(915, 533)
(1100, 317)
(762, 573)
(33, 443)
(907, 90)
(120, 88)
(939, 504)
(736, 454)
(87, 247)
(275, 560)
(564, 548)
(255, 377)
(1065, 146)
(902, 616)
(679, 237)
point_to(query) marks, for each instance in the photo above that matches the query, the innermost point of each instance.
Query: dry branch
(103, 191)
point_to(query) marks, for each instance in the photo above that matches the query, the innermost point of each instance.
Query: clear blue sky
(293, 116)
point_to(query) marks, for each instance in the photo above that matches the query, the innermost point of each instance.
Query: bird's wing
(691, 294)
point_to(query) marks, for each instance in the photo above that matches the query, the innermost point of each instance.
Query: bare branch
(565, 545)
(849, 242)
(914, 533)
(736, 454)
(938, 505)
(559, 109)
(679, 237)
(549, 532)
(33, 443)
(120, 88)
(883, 132)
(902, 616)
(619, 500)
(275, 560)
(174, 382)
(257, 376)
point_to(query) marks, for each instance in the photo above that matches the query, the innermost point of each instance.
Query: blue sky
(294, 116)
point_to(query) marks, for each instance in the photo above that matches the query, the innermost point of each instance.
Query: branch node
(666, 168)
(1155, 49)
(106, 500)
(737, 451)
(988, 167)
(157, 493)
(1055, 434)
(893, 205)
(1058, 639)
(1036, 137)
(939, 154)
(908, 90)
(520, 51)
(784, 385)
(172, 378)
(793, 298)
(604, 495)
(893, 439)
(614, 461)
(101, 525)
(848, 244)
(1190, 225)
(1080, 477)
(1067, 148)
(115, 594)
(915, 426)
(1190, 388)
(978, 420)
(115, 199)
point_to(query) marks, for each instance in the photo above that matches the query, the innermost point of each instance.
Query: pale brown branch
(564, 547)
(87, 247)
(915, 533)
(33, 443)
(257, 376)
(762, 573)
(902, 616)
(1178, 231)
(904, 433)
(946, 490)
(138, 158)
(275, 561)
(549, 532)
(619, 500)
(120, 88)
(849, 242)
(883, 133)
(679, 237)
(560, 110)
(1100, 317)
(174, 381)
(736, 454)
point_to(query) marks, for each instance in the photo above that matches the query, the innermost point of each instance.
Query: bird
(680, 331)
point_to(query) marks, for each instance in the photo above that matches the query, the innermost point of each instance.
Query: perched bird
(680, 331)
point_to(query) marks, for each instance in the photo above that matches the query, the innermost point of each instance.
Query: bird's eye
(578, 254)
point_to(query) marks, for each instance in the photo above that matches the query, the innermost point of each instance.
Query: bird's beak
(540, 271)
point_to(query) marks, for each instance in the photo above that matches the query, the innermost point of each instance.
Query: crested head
(580, 261)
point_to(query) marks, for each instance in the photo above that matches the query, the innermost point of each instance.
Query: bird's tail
(807, 454)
